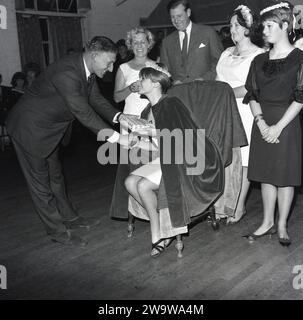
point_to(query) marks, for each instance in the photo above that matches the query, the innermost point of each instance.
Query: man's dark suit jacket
(59, 95)
(204, 51)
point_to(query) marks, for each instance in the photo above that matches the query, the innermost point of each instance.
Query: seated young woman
(187, 191)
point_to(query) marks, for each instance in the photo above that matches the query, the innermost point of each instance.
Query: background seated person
(17, 90)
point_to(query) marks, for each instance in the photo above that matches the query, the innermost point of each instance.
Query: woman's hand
(272, 133)
(267, 134)
(262, 126)
(135, 86)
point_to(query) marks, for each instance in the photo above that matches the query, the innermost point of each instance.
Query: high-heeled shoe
(157, 249)
(284, 242)
(234, 220)
(251, 236)
(167, 242)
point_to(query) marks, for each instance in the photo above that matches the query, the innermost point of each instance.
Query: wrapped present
(139, 125)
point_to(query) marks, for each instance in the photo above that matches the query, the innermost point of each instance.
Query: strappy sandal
(167, 242)
(157, 249)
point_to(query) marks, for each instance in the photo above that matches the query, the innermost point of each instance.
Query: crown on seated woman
(246, 13)
(275, 6)
(155, 66)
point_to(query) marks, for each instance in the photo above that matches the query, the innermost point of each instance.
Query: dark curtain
(30, 40)
(66, 33)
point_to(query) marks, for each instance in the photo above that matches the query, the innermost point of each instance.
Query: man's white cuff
(115, 120)
(114, 137)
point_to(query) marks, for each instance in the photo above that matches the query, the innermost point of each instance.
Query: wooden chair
(179, 245)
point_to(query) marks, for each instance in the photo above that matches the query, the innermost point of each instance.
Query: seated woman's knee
(144, 185)
(130, 183)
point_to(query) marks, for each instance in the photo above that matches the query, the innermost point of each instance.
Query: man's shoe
(68, 239)
(81, 222)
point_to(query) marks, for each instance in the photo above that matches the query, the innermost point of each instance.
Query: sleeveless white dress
(234, 69)
(134, 104)
(152, 170)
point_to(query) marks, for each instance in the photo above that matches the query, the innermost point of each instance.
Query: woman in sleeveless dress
(127, 84)
(233, 67)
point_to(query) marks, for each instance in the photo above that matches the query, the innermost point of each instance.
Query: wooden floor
(215, 265)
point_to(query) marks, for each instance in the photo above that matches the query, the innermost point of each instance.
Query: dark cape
(214, 108)
(184, 195)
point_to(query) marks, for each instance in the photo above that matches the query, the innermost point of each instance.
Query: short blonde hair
(130, 36)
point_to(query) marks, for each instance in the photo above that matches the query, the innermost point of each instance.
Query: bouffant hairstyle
(132, 33)
(249, 20)
(157, 76)
(280, 15)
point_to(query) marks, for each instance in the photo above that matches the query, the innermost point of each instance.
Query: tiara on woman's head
(246, 13)
(275, 6)
(155, 66)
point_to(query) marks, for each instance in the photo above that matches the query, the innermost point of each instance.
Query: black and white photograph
(150, 155)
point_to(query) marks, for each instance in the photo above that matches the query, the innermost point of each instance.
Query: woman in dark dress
(275, 94)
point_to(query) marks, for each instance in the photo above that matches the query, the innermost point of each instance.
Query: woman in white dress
(127, 84)
(233, 67)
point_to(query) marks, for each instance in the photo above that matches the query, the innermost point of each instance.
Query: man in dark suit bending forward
(65, 91)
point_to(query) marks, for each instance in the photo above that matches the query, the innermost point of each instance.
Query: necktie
(184, 49)
(90, 81)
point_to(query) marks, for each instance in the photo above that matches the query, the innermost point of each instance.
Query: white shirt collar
(188, 31)
(87, 72)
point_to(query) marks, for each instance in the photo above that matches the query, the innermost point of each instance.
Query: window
(29, 4)
(45, 39)
(68, 6)
(47, 5)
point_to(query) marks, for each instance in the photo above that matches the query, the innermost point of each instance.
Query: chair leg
(179, 245)
(214, 222)
(130, 225)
